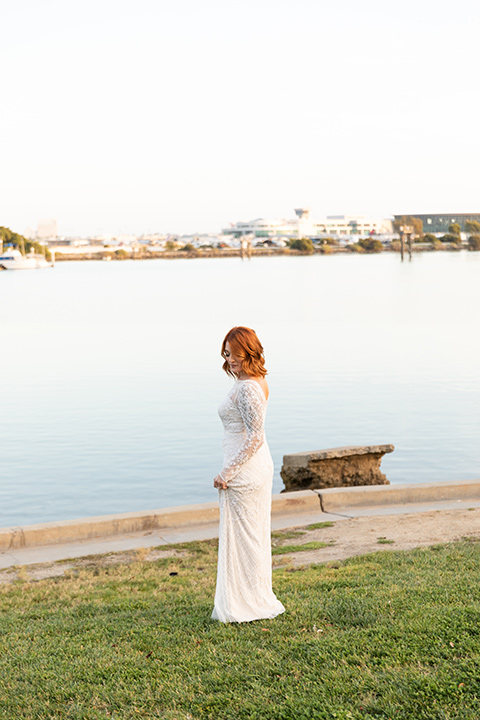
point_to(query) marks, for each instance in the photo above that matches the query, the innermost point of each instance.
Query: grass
(319, 525)
(283, 549)
(391, 635)
(286, 534)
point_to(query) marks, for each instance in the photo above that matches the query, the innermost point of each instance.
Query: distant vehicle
(14, 260)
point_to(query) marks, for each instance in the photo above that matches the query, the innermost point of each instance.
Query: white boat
(14, 260)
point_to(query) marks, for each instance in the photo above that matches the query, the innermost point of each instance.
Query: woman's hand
(219, 483)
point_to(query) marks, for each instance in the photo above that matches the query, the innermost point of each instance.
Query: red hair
(247, 347)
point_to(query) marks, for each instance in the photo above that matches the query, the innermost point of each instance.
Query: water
(111, 373)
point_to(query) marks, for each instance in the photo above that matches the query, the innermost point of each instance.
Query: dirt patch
(358, 536)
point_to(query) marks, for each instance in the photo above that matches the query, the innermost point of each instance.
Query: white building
(352, 225)
(304, 225)
(262, 228)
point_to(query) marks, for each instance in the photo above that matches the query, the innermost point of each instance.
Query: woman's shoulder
(258, 384)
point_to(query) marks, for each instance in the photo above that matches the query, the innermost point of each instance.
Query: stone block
(348, 466)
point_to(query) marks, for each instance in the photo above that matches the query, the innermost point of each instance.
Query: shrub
(474, 242)
(302, 244)
(326, 249)
(371, 245)
(427, 238)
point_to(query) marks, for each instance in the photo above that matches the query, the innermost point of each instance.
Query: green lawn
(388, 635)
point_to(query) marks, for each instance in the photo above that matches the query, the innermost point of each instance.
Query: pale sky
(185, 115)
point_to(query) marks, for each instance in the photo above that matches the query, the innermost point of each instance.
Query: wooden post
(406, 231)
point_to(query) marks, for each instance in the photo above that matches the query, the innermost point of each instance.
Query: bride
(244, 574)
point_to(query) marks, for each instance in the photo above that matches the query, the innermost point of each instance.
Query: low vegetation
(474, 242)
(368, 245)
(302, 244)
(388, 635)
(453, 238)
(427, 238)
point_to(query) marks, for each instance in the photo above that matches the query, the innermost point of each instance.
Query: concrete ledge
(303, 501)
(295, 504)
(377, 495)
(104, 526)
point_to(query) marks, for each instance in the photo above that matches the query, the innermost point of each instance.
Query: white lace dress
(244, 574)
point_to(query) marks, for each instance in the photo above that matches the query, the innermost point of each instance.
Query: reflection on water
(111, 372)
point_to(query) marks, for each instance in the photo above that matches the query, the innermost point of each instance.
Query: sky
(180, 116)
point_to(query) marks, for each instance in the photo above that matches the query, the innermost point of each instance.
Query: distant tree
(188, 247)
(454, 229)
(428, 238)
(474, 242)
(303, 244)
(121, 254)
(414, 222)
(170, 245)
(12, 238)
(472, 226)
(371, 245)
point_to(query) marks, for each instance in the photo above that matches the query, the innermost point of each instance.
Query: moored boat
(14, 260)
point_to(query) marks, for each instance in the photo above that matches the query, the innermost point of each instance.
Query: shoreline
(111, 255)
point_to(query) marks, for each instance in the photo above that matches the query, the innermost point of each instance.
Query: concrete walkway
(51, 542)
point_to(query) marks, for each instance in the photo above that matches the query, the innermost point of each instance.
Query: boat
(14, 260)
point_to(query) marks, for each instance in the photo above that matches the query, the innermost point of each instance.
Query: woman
(244, 575)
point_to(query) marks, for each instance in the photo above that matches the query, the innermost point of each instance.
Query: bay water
(111, 372)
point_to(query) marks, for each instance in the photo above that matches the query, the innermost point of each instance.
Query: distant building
(46, 229)
(353, 225)
(438, 223)
(306, 226)
(263, 228)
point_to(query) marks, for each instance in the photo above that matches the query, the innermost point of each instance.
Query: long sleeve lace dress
(244, 574)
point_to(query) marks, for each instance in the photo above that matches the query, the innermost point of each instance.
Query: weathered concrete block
(336, 467)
